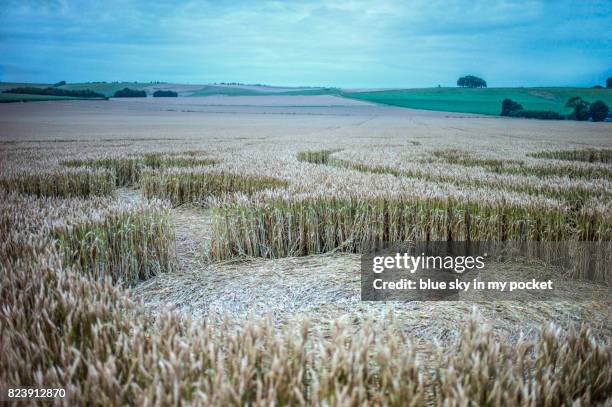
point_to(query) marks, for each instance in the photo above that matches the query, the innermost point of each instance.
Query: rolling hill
(482, 101)
(462, 100)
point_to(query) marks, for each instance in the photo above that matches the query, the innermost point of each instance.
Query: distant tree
(609, 82)
(165, 94)
(509, 106)
(597, 87)
(581, 108)
(130, 93)
(598, 111)
(471, 81)
(574, 101)
(58, 84)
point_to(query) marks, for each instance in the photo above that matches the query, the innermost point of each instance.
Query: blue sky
(350, 43)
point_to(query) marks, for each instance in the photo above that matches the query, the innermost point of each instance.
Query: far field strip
(486, 101)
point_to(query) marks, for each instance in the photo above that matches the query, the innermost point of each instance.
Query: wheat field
(210, 256)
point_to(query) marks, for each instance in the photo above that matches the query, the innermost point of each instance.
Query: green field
(482, 101)
(109, 88)
(210, 90)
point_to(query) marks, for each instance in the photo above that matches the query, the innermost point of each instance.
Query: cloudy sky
(347, 43)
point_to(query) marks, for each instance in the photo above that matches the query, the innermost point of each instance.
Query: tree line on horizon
(165, 94)
(471, 81)
(130, 93)
(582, 110)
(133, 93)
(53, 91)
